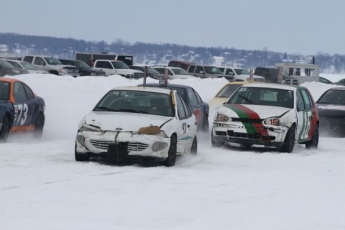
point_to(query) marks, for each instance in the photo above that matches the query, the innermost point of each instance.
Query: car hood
(123, 121)
(217, 102)
(252, 111)
(181, 76)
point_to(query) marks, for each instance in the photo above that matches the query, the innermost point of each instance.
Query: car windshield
(5, 64)
(228, 90)
(28, 66)
(52, 61)
(133, 101)
(4, 91)
(263, 96)
(335, 97)
(212, 70)
(242, 71)
(178, 71)
(81, 65)
(120, 65)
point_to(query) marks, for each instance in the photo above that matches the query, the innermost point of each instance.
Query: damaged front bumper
(122, 144)
(236, 132)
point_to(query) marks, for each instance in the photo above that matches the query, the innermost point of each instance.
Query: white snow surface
(43, 187)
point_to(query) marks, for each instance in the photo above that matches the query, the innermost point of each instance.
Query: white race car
(137, 123)
(268, 114)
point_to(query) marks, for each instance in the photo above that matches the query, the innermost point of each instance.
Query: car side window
(15, 64)
(28, 59)
(192, 98)
(199, 69)
(39, 61)
(19, 92)
(229, 72)
(198, 98)
(29, 94)
(180, 108)
(170, 72)
(191, 69)
(186, 109)
(306, 99)
(160, 70)
(300, 103)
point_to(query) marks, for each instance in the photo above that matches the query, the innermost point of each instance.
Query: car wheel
(39, 123)
(289, 141)
(246, 146)
(194, 148)
(205, 125)
(214, 142)
(5, 129)
(170, 161)
(81, 156)
(314, 142)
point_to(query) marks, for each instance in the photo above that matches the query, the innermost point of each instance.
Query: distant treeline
(154, 53)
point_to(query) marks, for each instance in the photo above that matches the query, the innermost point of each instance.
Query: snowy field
(43, 187)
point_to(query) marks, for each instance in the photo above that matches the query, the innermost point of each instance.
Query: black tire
(81, 156)
(289, 141)
(194, 148)
(215, 143)
(246, 146)
(54, 72)
(314, 142)
(205, 125)
(5, 129)
(39, 124)
(170, 161)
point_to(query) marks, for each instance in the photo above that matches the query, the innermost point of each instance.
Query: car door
(190, 127)
(181, 128)
(301, 117)
(40, 63)
(307, 116)
(23, 109)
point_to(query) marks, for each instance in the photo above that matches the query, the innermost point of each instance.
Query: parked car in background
(52, 65)
(151, 72)
(173, 72)
(331, 108)
(139, 124)
(117, 67)
(274, 115)
(21, 110)
(340, 82)
(325, 80)
(224, 94)
(269, 73)
(205, 71)
(180, 64)
(239, 74)
(26, 66)
(7, 69)
(192, 99)
(84, 68)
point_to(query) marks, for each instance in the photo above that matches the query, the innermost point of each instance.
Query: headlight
(89, 129)
(63, 71)
(157, 146)
(272, 121)
(222, 118)
(93, 74)
(129, 75)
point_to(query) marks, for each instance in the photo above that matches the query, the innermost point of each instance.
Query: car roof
(168, 85)
(337, 88)
(274, 86)
(144, 89)
(9, 80)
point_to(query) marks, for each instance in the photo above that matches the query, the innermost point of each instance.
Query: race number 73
(20, 113)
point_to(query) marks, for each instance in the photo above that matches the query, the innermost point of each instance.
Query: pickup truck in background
(90, 58)
(111, 67)
(51, 65)
(239, 74)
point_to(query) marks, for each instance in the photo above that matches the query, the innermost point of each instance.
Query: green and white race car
(268, 114)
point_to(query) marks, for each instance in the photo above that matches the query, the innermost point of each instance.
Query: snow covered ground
(42, 187)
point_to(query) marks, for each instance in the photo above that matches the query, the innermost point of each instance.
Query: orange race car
(20, 109)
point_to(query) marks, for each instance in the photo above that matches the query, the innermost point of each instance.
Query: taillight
(197, 113)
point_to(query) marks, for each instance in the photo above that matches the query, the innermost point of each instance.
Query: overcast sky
(303, 26)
